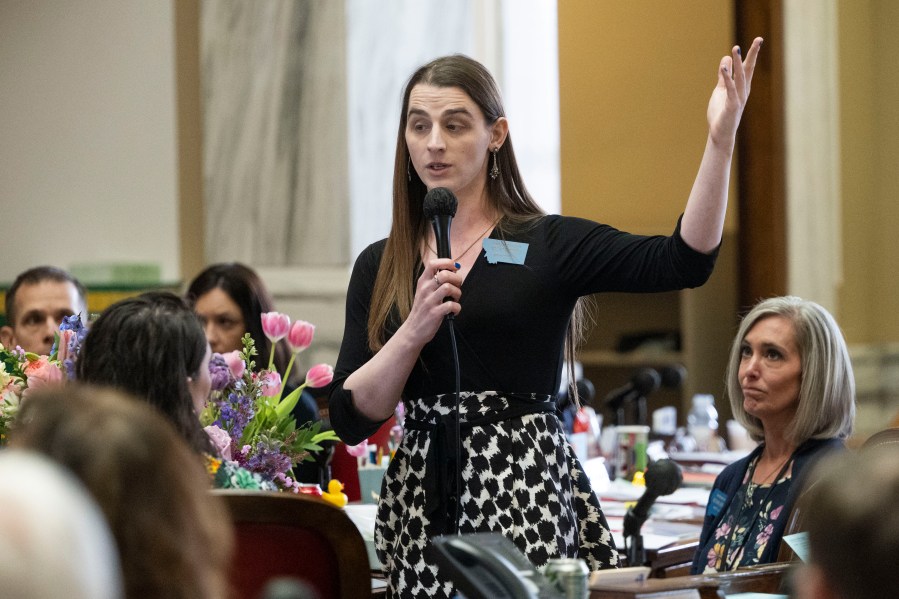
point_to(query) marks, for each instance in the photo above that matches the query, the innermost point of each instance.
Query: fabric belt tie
(440, 461)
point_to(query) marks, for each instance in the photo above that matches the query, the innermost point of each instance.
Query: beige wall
(635, 79)
(869, 298)
(88, 153)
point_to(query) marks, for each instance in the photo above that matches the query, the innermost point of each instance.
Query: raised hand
(730, 95)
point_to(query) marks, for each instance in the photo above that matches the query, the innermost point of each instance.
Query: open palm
(731, 93)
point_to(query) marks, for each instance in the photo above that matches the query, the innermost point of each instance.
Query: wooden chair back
(298, 536)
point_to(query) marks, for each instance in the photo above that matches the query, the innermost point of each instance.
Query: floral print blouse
(745, 530)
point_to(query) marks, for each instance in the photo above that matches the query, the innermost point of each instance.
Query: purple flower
(236, 412)
(219, 372)
(68, 343)
(268, 460)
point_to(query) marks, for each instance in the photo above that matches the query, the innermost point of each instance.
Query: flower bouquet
(248, 420)
(21, 370)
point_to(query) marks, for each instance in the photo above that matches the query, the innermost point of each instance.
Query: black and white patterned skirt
(519, 477)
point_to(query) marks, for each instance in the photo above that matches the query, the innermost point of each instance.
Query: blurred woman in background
(229, 299)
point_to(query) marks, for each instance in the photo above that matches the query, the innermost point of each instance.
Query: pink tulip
(271, 383)
(235, 364)
(275, 325)
(319, 375)
(357, 451)
(300, 335)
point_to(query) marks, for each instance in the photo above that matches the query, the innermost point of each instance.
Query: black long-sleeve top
(514, 318)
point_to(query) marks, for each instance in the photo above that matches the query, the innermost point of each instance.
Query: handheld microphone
(440, 207)
(644, 382)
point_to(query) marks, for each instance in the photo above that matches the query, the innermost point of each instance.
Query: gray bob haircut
(827, 390)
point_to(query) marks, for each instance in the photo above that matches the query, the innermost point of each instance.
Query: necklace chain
(468, 249)
(773, 472)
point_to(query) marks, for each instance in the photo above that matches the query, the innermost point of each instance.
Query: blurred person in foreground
(174, 537)
(851, 514)
(54, 541)
(790, 384)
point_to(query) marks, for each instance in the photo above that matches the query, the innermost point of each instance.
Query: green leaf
(287, 404)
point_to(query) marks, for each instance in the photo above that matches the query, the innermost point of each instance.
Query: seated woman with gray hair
(790, 383)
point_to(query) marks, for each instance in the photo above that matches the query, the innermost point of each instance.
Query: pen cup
(631, 450)
(370, 478)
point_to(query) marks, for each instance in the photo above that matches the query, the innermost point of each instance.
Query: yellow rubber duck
(335, 493)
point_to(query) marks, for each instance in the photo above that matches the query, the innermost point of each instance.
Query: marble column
(275, 123)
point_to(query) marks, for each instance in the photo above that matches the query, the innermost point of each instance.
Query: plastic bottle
(702, 423)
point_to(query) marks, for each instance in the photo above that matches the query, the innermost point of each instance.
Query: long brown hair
(393, 291)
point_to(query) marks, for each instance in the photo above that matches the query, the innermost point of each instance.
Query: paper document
(634, 574)
(799, 544)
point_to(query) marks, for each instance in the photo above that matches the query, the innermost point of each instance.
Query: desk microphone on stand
(662, 477)
(642, 383)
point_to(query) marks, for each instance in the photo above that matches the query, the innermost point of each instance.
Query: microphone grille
(673, 375)
(646, 380)
(663, 477)
(440, 201)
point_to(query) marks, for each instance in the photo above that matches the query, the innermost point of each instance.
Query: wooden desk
(769, 578)
(672, 560)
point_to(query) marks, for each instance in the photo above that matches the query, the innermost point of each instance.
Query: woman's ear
(499, 132)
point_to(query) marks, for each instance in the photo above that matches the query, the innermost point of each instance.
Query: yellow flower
(212, 464)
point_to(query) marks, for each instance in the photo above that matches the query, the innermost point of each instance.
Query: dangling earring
(408, 168)
(494, 170)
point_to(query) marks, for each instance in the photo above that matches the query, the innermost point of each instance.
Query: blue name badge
(716, 502)
(511, 252)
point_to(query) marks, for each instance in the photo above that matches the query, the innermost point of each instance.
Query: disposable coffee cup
(631, 450)
(370, 478)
